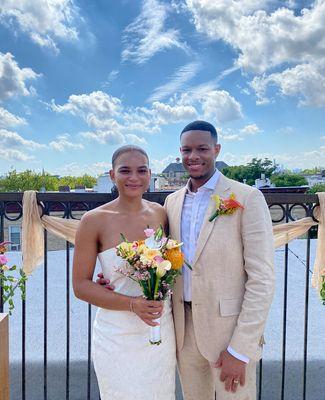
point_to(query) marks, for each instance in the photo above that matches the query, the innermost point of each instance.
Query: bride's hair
(126, 149)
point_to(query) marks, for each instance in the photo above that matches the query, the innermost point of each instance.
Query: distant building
(315, 179)
(176, 170)
(263, 182)
(157, 182)
(104, 183)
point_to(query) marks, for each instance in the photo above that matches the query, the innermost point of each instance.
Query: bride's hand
(147, 310)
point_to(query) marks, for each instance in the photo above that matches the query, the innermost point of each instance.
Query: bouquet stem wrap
(155, 336)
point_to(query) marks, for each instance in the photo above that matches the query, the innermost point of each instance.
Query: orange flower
(175, 256)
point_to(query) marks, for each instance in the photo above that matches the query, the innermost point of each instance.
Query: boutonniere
(225, 206)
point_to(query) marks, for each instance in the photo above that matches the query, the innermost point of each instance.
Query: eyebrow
(126, 166)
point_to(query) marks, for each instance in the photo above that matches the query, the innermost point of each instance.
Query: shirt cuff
(239, 356)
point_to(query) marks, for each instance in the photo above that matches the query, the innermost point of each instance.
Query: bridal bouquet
(154, 263)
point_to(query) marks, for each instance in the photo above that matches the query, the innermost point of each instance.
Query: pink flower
(149, 232)
(158, 259)
(3, 259)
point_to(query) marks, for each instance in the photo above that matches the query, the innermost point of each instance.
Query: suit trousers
(199, 380)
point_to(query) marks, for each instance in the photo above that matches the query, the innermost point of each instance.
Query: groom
(220, 307)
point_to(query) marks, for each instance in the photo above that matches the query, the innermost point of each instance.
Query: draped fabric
(33, 225)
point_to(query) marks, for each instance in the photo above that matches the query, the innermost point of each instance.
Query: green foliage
(312, 171)
(322, 289)
(320, 187)
(288, 179)
(250, 171)
(30, 180)
(10, 283)
(73, 181)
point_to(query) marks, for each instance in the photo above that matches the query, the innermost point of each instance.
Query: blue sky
(79, 78)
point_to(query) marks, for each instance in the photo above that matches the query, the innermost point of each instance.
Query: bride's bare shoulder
(97, 214)
(156, 208)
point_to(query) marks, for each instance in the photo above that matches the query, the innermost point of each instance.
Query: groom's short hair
(201, 126)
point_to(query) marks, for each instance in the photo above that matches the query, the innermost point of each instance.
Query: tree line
(15, 181)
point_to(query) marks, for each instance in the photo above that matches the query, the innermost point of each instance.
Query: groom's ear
(217, 149)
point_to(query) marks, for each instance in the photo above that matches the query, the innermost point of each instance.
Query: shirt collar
(209, 185)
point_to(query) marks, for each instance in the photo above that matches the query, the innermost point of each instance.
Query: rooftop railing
(284, 207)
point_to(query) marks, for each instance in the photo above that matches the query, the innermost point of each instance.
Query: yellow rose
(150, 254)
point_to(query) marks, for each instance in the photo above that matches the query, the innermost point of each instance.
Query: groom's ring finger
(235, 383)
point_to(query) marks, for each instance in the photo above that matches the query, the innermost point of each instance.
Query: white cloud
(96, 104)
(8, 120)
(110, 121)
(77, 169)
(104, 137)
(157, 166)
(45, 22)
(62, 143)
(111, 77)
(176, 82)
(287, 130)
(306, 81)
(266, 39)
(215, 105)
(145, 36)
(14, 155)
(166, 114)
(13, 79)
(221, 106)
(304, 159)
(11, 139)
(322, 137)
(251, 129)
(135, 139)
(231, 135)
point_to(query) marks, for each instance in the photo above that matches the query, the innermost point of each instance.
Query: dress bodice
(110, 262)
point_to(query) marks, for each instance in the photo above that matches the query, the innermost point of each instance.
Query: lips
(133, 186)
(194, 167)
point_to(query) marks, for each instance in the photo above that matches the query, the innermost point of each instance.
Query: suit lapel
(177, 214)
(221, 188)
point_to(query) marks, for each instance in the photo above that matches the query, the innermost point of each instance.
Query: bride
(126, 365)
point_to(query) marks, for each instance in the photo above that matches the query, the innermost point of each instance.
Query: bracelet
(131, 304)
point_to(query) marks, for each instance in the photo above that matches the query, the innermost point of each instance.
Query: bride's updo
(126, 149)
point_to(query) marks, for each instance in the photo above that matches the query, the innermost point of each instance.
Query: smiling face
(199, 152)
(131, 173)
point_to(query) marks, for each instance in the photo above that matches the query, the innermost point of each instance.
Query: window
(14, 237)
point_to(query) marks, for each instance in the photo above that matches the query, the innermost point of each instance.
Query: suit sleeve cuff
(239, 356)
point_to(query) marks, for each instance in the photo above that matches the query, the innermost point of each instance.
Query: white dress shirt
(193, 212)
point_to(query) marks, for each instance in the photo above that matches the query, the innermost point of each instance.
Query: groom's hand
(232, 371)
(104, 282)
(147, 310)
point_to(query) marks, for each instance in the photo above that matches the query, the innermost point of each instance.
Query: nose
(134, 176)
(193, 155)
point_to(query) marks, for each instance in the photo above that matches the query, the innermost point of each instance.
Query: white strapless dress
(127, 366)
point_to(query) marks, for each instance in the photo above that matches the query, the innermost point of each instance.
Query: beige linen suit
(232, 286)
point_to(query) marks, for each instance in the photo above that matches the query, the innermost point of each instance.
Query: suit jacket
(232, 276)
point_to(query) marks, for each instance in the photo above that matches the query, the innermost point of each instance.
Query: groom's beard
(206, 176)
(200, 177)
